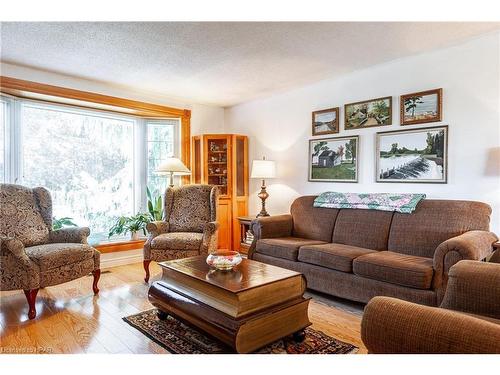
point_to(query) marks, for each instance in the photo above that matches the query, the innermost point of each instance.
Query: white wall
(279, 126)
(204, 118)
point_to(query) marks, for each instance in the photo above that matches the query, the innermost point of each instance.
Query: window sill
(113, 247)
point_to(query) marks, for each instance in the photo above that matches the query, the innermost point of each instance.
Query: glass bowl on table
(224, 260)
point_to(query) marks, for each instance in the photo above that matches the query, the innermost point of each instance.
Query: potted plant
(155, 208)
(132, 224)
(62, 222)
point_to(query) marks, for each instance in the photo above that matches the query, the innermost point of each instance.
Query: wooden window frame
(63, 95)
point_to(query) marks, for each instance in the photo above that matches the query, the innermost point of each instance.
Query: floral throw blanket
(404, 203)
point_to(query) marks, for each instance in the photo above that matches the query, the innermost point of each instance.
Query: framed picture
(374, 112)
(421, 107)
(417, 155)
(334, 159)
(325, 121)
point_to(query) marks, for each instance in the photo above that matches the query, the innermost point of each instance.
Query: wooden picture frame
(361, 114)
(430, 108)
(412, 160)
(327, 164)
(325, 127)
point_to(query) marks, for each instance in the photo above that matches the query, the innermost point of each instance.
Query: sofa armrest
(69, 235)
(155, 228)
(209, 242)
(270, 227)
(472, 245)
(391, 325)
(474, 287)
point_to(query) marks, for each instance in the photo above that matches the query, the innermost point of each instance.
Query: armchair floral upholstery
(32, 255)
(189, 227)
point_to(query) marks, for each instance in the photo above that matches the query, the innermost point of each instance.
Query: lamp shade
(263, 169)
(173, 165)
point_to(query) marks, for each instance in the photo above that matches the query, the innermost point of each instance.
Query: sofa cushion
(363, 228)
(310, 222)
(284, 247)
(433, 222)
(56, 255)
(332, 255)
(177, 241)
(395, 268)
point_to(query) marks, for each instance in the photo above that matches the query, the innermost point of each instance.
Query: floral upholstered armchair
(189, 227)
(33, 256)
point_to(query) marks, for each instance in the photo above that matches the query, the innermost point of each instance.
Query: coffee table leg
(162, 315)
(299, 336)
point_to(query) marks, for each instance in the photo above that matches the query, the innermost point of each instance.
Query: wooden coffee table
(246, 308)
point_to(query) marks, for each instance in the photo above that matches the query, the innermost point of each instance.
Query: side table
(246, 235)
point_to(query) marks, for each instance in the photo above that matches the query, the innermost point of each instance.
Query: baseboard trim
(121, 258)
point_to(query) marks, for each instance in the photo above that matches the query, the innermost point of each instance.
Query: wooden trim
(186, 145)
(114, 247)
(26, 89)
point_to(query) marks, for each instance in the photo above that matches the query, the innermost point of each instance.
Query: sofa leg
(146, 268)
(31, 297)
(97, 275)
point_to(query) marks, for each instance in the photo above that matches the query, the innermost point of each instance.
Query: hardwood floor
(70, 319)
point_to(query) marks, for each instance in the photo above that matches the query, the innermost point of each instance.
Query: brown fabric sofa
(360, 254)
(467, 321)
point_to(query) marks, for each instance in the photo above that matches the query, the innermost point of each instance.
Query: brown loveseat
(359, 254)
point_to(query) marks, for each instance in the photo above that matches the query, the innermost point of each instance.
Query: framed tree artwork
(334, 159)
(374, 112)
(325, 121)
(421, 107)
(417, 155)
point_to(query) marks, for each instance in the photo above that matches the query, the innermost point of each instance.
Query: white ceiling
(220, 63)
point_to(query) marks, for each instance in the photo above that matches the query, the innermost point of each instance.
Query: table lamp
(171, 167)
(263, 169)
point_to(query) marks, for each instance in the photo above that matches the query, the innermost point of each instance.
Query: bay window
(95, 164)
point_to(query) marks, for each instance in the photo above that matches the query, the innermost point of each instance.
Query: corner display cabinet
(222, 160)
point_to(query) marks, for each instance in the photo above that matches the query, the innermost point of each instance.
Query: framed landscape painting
(334, 159)
(325, 121)
(418, 155)
(374, 112)
(421, 107)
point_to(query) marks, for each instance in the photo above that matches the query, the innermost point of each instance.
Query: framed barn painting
(417, 155)
(374, 112)
(421, 107)
(325, 121)
(334, 159)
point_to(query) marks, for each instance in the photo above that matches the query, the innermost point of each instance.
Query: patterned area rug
(179, 338)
